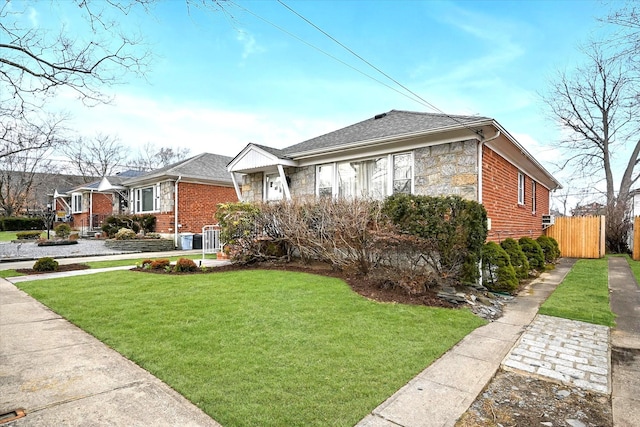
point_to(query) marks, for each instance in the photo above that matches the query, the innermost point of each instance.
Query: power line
(422, 100)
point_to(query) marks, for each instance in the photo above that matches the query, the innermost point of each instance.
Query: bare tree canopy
(36, 60)
(596, 106)
(100, 156)
(151, 157)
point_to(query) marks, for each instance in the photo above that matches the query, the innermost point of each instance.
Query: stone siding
(303, 181)
(140, 245)
(448, 169)
(252, 187)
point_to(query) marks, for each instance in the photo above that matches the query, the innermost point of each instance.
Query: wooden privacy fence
(579, 236)
(636, 238)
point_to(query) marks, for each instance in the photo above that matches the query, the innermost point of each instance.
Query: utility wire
(422, 100)
(329, 55)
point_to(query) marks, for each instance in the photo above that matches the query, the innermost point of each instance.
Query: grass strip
(635, 269)
(268, 348)
(583, 295)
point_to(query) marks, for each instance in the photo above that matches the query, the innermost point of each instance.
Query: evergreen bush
(497, 272)
(533, 252)
(62, 231)
(145, 223)
(550, 248)
(125, 234)
(518, 258)
(12, 223)
(185, 265)
(46, 264)
(28, 235)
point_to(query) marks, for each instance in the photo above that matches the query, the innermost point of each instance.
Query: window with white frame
(273, 187)
(147, 199)
(324, 180)
(76, 202)
(533, 196)
(520, 188)
(374, 178)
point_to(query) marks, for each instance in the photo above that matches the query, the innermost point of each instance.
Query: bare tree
(18, 189)
(596, 104)
(100, 156)
(151, 157)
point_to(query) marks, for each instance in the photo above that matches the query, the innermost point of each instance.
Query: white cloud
(248, 41)
(33, 17)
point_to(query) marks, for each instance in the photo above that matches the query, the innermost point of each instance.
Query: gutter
(175, 212)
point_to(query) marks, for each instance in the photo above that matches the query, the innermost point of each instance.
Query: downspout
(480, 145)
(175, 212)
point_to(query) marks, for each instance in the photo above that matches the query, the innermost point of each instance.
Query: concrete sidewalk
(625, 342)
(440, 394)
(62, 376)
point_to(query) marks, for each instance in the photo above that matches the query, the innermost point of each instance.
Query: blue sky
(222, 80)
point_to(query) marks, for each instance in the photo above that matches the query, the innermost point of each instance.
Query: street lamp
(48, 218)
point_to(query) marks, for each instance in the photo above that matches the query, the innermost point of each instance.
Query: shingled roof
(205, 166)
(386, 125)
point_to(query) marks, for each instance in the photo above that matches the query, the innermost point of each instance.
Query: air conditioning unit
(548, 220)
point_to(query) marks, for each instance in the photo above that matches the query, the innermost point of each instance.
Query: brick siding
(500, 199)
(196, 206)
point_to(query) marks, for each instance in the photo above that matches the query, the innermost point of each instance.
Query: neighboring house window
(274, 190)
(147, 199)
(520, 188)
(402, 173)
(76, 202)
(374, 178)
(324, 180)
(533, 197)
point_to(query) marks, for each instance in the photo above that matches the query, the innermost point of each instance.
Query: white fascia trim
(277, 161)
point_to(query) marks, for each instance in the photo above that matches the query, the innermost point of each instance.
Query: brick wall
(500, 199)
(197, 204)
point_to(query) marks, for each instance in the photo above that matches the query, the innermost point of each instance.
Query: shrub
(454, 228)
(146, 263)
(74, 236)
(145, 223)
(28, 235)
(62, 231)
(518, 258)
(125, 234)
(12, 223)
(497, 272)
(533, 252)
(185, 265)
(160, 264)
(46, 264)
(550, 248)
(152, 235)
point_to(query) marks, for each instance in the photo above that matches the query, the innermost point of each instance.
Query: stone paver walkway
(568, 351)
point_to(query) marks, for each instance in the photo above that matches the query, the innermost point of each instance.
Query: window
(366, 178)
(274, 190)
(533, 197)
(402, 171)
(374, 178)
(324, 180)
(520, 188)
(147, 199)
(76, 202)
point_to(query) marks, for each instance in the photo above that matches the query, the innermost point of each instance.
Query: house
(182, 196)
(408, 152)
(590, 209)
(86, 206)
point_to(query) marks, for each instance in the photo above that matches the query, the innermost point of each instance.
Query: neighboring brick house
(86, 206)
(195, 185)
(408, 152)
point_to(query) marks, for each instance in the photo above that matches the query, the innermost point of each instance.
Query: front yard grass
(7, 236)
(583, 295)
(267, 348)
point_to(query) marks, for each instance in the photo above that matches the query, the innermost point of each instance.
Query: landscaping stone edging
(140, 245)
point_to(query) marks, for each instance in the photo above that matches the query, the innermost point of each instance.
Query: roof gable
(255, 156)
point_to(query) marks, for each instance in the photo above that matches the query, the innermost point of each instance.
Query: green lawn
(7, 236)
(583, 295)
(635, 269)
(267, 348)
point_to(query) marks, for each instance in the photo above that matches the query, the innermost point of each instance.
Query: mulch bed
(61, 268)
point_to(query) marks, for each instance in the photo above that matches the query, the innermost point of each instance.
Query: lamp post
(48, 218)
